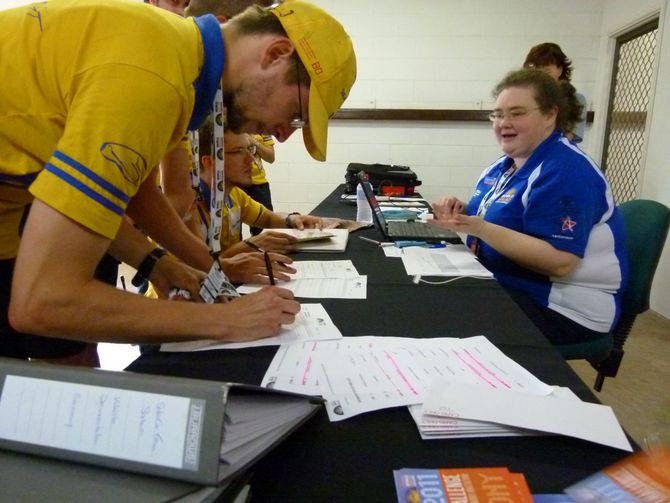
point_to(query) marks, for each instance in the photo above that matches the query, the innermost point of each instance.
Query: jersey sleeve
(252, 212)
(564, 203)
(120, 121)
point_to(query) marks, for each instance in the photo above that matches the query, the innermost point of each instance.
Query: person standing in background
(259, 190)
(550, 58)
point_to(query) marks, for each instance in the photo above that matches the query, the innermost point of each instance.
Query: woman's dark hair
(546, 54)
(548, 94)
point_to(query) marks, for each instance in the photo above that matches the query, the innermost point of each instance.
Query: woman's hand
(447, 207)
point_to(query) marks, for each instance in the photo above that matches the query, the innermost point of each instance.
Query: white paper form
(588, 421)
(325, 288)
(360, 374)
(312, 323)
(324, 269)
(452, 260)
(133, 425)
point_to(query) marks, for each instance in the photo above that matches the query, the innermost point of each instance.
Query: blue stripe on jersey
(212, 68)
(69, 179)
(18, 180)
(91, 175)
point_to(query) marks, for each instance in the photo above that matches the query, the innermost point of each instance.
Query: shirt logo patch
(507, 196)
(490, 180)
(568, 224)
(128, 161)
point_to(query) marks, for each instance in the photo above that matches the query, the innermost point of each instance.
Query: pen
(370, 240)
(268, 266)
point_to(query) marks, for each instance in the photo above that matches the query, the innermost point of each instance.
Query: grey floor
(640, 393)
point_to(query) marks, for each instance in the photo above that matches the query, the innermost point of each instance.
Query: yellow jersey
(93, 94)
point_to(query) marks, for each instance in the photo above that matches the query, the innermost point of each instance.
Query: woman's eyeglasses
(513, 115)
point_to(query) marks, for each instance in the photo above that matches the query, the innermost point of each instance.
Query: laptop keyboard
(417, 229)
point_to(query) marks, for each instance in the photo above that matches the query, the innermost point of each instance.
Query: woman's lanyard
(494, 193)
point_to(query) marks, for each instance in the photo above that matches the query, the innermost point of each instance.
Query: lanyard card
(216, 284)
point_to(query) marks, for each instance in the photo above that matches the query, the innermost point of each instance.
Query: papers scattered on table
(452, 260)
(457, 388)
(311, 324)
(322, 279)
(474, 409)
(361, 374)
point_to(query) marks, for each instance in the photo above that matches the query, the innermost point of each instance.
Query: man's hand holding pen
(253, 267)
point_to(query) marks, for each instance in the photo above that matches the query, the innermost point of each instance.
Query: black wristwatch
(147, 266)
(288, 219)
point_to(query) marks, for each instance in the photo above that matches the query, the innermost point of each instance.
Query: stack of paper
(452, 260)
(474, 409)
(323, 279)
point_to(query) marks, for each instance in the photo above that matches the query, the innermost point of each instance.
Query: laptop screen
(377, 214)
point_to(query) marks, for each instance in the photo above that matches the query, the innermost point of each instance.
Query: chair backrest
(646, 223)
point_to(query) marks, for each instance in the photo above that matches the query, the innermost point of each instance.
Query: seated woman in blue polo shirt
(543, 218)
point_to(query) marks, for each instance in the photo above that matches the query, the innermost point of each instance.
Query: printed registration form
(362, 374)
(324, 279)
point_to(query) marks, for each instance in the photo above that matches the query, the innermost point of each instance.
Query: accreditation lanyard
(194, 174)
(494, 193)
(216, 200)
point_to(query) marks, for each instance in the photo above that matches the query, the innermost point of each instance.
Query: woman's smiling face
(522, 125)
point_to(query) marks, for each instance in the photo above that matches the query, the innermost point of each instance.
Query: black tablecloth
(353, 460)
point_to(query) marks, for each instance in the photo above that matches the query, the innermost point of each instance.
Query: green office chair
(646, 224)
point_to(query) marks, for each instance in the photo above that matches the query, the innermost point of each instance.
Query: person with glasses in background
(238, 207)
(543, 218)
(259, 190)
(550, 58)
(80, 138)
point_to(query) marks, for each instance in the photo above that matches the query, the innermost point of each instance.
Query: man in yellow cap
(105, 89)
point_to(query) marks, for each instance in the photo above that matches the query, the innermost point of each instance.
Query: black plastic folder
(202, 432)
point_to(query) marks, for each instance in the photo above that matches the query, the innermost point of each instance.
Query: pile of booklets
(643, 477)
(418, 485)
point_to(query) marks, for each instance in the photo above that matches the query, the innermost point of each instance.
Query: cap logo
(316, 66)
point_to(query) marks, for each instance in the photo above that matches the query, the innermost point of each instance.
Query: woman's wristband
(288, 219)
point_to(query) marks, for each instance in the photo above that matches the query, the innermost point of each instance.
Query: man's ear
(206, 161)
(276, 51)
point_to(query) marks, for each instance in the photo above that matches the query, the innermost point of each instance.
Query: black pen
(268, 266)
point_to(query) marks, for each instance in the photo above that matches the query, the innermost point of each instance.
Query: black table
(353, 460)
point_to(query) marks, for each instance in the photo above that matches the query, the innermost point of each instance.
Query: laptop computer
(410, 230)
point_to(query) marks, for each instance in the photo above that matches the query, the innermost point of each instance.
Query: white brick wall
(433, 54)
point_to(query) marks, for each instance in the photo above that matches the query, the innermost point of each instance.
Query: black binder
(219, 429)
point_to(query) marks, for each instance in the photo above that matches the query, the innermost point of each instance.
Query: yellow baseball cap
(327, 53)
